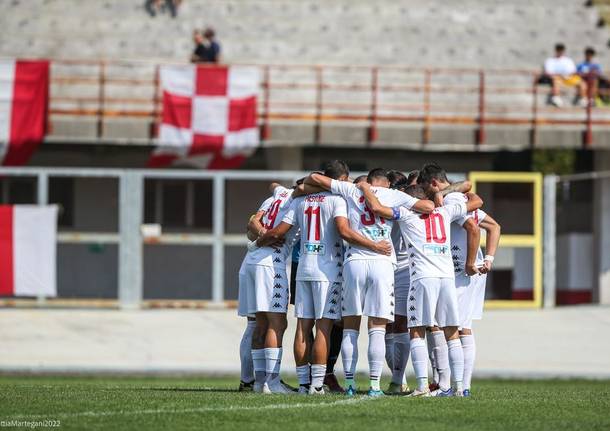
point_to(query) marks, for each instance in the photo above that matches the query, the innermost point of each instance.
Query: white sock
(349, 355)
(318, 372)
(245, 353)
(376, 355)
(430, 344)
(389, 350)
(470, 349)
(258, 360)
(401, 357)
(419, 358)
(303, 375)
(442, 360)
(456, 362)
(273, 362)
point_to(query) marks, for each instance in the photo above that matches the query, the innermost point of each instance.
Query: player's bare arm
(255, 227)
(318, 180)
(274, 186)
(492, 240)
(353, 237)
(473, 237)
(459, 187)
(373, 203)
(474, 202)
(274, 236)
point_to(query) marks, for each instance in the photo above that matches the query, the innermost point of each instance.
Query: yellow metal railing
(533, 241)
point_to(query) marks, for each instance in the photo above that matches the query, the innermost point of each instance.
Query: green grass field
(213, 403)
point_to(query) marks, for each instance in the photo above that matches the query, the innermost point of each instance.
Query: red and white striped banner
(28, 236)
(209, 116)
(24, 97)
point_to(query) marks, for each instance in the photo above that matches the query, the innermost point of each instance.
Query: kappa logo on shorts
(333, 301)
(410, 245)
(335, 292)
(343, 308)
(339, 264)
(277, 286)
(392, 303)
(277, 251)
(278, 276)
(412, 308)
(414, 272)
(349, 255)
(411, 298)
(412, 289)
(455, 248)
(277, 260)
(413, 319)
(277, 295)
(412, 255)
(340, 274)
(277, 305)
(338, 254)
(392, 294)
(337, 244)
(332, 311)
(412, 263)
(391, 313)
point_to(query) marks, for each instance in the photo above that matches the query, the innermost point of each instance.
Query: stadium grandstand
(139, 138)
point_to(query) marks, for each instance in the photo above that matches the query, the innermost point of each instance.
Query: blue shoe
(350, 392)
(375, 393)
(466, 393)
(448, 393)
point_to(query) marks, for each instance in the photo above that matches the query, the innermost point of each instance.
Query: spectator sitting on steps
(207, 50)
(562, 72)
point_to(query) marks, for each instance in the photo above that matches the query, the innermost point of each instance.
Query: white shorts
(317, 300)
(471, 298)
(368, 289)
(433, 301)
(402, 283)
(263, 289)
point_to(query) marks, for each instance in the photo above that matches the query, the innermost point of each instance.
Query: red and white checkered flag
(209, 116)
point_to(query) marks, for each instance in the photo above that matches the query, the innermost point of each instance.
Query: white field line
(283, 406)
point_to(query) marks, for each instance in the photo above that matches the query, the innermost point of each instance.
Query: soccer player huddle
(402, 250)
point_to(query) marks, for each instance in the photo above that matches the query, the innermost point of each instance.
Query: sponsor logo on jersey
(376, 233)
(313, 248)
(435, 250)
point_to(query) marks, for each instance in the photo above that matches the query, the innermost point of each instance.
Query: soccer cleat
(350, 391)
(287, 386)
(246, 387)
(397, 389)
(276, 387)
(316, 391)
(330, 380)
(466, 393)
(448, 393)
(417, 394)
(375, 393)
(303, 390)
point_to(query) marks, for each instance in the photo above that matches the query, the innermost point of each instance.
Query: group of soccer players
(402, 250)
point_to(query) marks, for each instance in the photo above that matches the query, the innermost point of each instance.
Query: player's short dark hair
(560, 47)
(376, 173)
(589, 51)
(396, 179)
(412, 176)
(431, 171)
(336, 169)
(417, 191)
(359, 179)
(300, 181)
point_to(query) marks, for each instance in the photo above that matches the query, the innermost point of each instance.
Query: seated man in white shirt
(562, 71)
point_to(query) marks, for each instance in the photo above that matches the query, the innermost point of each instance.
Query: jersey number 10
(435, 225)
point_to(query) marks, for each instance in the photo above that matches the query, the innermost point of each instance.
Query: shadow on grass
(166, 389)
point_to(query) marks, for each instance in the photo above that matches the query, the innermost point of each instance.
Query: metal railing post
(550, 238)
(42, 189)
(480, 138)
(372, 135)
(218, 228)
(130, 263)
(588, 135)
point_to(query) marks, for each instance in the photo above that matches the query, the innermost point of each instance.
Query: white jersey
(264, 207)
(459, 237)
(321, 256)
(363, 220)
(428, 237)
(401, 249)
(275, 256)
